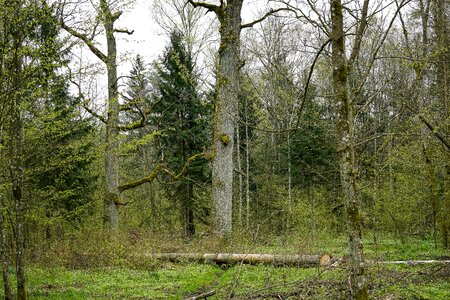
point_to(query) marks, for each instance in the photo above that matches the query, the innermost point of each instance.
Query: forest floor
(140, 279)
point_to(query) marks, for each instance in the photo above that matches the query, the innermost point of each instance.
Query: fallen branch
(412, 262)
(303, 261)
(341, 261)
(202, 296)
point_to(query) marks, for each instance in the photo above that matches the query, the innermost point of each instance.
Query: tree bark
(112, 194)
(239, 169)
(347, 163)
(3, 191)
(3, 250)
(247, 171)
(227, 87)
(16, 167)
(111, 159)
(303, 261)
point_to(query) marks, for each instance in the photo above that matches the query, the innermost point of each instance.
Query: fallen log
(303, 261)
(412, 262)
(202, 296)
(343, 261)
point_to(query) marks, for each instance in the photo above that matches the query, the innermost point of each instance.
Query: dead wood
(202, 296)
(252, 259)
(343, 261)
(412, 262)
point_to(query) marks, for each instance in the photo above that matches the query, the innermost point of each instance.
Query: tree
(182, 120)
(229, 63)
(14, 73)
(107, 15)
(59, 156)
(346, 139)
(30, 56)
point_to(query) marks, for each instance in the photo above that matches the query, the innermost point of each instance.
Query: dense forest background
(237, 134)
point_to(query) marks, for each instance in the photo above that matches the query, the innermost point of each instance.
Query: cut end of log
(325, 259)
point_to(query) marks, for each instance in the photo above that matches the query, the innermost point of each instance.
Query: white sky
(147, 40)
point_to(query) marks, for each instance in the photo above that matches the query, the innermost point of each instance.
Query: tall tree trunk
(3, 251)
(441, 25)
(247, 172)
(112, 194)
(227, 87)
(347, 163)
(111, 159)
(190, 225)
(239, 169)
(16, 167)
(289, 180)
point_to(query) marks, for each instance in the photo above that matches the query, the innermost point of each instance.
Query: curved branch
(149, 178)
(158, 168)
(189, 161)
(268, 14)
(142, 122)
(87, 41)
(129, 32)
(93, 113)
(208, 6)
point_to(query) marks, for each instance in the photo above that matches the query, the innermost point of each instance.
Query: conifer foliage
(182, 118)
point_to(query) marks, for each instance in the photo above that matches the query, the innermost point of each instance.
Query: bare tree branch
(432, 128)
(142, 122)
(124, 30)
(85, 102)
(93, 113)
(362, 24)
(268, 14)
(87, 41)
(208, 6)
(377, 49)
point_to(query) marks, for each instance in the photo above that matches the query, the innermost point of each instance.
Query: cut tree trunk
(303, 261)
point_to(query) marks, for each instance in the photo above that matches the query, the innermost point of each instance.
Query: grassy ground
(131, 279)
(239, 282)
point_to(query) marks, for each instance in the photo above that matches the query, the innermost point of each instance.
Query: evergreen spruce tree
(58, 141)
(182, 118)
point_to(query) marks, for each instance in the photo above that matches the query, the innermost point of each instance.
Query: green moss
(224, 139)
(354, 215)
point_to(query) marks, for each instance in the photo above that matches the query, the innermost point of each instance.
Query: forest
(279, 149)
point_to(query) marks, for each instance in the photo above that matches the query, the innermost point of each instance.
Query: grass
(72, 277)
(170, 282)
(179, 281)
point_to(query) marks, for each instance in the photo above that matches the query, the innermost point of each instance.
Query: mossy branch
(93, 113)
(142, 122)
(189, 161)
(435, 132)
(158, 168)
(149, 178)
(87, 41)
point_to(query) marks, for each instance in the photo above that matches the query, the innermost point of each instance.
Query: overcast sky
(148, 39)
